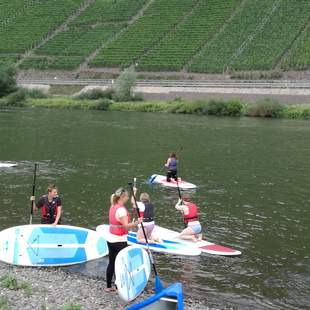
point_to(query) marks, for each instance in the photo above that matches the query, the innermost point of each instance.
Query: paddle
(33, 191)
(158, 285)
(180, 196)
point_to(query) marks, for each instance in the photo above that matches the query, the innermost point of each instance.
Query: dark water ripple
(253, 192)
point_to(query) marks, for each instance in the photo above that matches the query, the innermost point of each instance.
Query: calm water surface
(253, 191)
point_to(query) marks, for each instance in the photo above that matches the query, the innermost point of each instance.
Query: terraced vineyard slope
(203, 36)
(100, 21)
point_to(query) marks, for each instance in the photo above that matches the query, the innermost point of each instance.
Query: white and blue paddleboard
(166, 246)
(162, 180)
(132, 272)
(47, 245)
(204, 246)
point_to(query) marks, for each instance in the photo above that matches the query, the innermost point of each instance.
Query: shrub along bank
(236, 108)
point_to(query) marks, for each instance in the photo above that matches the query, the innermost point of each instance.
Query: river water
(253, 191)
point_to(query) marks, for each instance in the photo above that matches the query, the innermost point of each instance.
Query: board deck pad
(132, 272)
(162, 180)
(203, 245)
(47, 245)
(167, 246)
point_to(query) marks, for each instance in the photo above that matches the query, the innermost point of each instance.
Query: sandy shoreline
(54, 288)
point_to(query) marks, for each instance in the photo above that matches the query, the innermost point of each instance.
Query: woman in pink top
(119, 221)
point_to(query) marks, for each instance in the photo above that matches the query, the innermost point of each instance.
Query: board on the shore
(132, 272)
(166, 246)
(47, 245)
(170, 298)
(162, 180)
(203, 245)
(7, 165)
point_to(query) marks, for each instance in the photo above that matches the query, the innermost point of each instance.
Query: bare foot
(110, 289)
(199, 238)
(194, 239)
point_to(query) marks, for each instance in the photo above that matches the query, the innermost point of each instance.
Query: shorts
(148, 231)
(196, 228)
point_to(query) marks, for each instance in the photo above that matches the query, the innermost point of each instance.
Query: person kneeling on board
(190, 218)
(171, 165)
(146, 210)
(50, 206)
(119, 221)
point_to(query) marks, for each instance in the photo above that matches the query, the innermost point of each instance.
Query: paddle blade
(158, 285)
(152, 178)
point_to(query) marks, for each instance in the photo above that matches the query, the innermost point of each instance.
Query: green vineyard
(203, 36)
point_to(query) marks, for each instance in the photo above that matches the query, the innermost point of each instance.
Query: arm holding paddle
(57, 216)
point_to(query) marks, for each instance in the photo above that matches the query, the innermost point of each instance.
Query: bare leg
(188, 234)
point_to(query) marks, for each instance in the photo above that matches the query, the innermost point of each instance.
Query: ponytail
(114, 199)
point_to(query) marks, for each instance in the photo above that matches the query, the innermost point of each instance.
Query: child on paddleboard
(191, 219)
(171, 165)
(146, 209)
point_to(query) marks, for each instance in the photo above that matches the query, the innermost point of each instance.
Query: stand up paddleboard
(7, 165)
(162, 180)
(167, 246)
(47, 245)
(203, 245)
(132, 272)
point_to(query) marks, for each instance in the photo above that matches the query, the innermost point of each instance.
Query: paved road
(301, 84)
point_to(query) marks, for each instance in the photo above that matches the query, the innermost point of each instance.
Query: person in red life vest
(119, 221)
(171, 165)
(146, 209)
(190, 218)
(50, 206)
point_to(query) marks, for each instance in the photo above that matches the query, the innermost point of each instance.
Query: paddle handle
(33, 192)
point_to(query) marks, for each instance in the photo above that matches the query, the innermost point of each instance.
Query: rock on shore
(54, 288)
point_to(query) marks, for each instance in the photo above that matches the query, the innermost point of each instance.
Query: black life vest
(148, 215)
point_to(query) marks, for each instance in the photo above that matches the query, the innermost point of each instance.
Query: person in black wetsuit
(50, 206)
(171, 165)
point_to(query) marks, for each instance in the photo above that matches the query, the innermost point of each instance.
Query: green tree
(123, 85)
(7, 78)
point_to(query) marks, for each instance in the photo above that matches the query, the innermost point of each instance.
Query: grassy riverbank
(103, 101)
(264, 108)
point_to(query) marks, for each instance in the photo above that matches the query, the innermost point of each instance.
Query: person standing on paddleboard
(171, 165)
(190, 218)
(50, 206)
(146, 209)
(119, 221)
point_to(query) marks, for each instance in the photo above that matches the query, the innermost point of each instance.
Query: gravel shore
(54, 288)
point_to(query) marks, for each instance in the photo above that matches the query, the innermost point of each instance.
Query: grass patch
(4, 304)
(10, 282)
(71, 306)
(65, 90)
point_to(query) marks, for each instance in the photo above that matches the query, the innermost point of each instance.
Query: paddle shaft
(33, 191)
(145, 237)
(180, 196)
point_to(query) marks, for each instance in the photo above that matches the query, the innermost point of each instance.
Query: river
(253, 191)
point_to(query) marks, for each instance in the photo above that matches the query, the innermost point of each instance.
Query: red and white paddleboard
(161, 179)
(203, 245)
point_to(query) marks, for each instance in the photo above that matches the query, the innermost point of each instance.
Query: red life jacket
(116, 227)
(192, 214)
(49, 210)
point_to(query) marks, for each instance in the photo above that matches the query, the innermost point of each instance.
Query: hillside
(203, 36)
